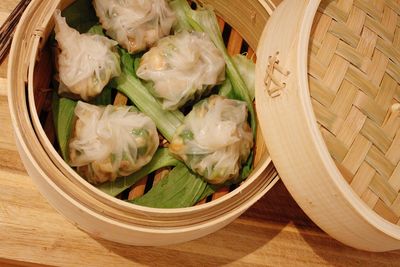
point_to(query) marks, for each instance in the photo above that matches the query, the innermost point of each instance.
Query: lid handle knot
(273, 85)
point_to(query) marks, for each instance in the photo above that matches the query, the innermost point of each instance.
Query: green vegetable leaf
(226, 89)
(181, 188)
(247, 167)
(136, 64)
(105, 97)
(96, 29)
(161, 159)
(128, 62)
(182, 23)
(247, 69)
(63, 115)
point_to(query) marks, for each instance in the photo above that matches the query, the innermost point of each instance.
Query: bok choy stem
(167, 122)
(129, 84)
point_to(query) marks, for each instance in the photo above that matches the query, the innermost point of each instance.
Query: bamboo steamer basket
(328, 94)
(327, 97)
(85, 206)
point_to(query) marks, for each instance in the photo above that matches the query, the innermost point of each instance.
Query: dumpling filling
(109, 142)
(215, 139)
(135, 24)
(182, 67)
(86, 63)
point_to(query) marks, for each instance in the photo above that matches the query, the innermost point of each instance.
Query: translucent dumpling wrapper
(86, 62)
(135, 24)
(109, 142)
(215, 139)
(182, 67)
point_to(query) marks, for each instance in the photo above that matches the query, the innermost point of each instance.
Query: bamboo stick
(8, 28)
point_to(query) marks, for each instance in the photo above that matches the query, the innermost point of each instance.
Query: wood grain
(274, 232)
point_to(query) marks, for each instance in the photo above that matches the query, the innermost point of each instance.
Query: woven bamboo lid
(354, 77)
(328, 92)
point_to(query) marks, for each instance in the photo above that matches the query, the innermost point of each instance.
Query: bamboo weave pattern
(354, 77)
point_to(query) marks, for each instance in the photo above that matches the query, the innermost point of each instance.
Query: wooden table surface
(274, 232)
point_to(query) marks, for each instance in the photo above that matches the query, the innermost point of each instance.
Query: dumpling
(111, 141)
(86, 62)
(135, 24)
(215, 139)
(182, 67)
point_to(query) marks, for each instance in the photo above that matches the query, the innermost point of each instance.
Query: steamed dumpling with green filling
(109, 142)
(182, 67)
(215, 139)
(86, 62)
(135, 24)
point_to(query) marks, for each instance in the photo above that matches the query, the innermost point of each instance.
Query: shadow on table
(284, 209)
(234, 242)
(252, 231)
(280, 208)
(335, 253)
(322, 245)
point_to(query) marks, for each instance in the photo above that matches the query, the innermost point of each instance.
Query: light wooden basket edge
(317, 186)
(23, 136)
